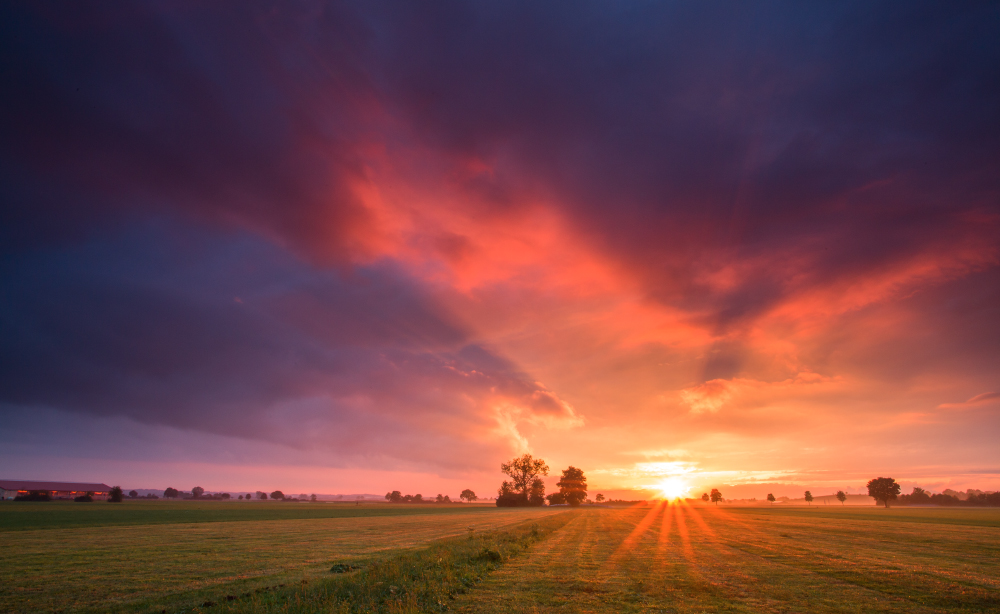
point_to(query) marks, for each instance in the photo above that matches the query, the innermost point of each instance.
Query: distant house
(57, 490)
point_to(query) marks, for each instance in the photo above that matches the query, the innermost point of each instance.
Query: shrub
(116, 495)
(84, 499)
(34, 495)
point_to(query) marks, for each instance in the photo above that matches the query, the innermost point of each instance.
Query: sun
(673, 488)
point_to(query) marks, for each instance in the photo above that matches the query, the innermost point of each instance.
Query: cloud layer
(430, 238)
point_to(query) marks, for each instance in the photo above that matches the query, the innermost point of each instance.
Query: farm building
(57, 490)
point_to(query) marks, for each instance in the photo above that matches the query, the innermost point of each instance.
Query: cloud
(986, 398)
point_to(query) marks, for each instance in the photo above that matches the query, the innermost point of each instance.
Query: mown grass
(171, 566)
(652, 558)
(427, 580)
(706, 559)
(23, 516)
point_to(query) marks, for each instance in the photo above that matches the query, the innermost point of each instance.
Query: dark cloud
(234, 337)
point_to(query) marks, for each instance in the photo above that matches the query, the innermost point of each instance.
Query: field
(220, 557)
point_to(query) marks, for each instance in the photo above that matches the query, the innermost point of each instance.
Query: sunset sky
(359, 247)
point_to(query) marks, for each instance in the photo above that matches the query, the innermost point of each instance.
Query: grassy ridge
(23, 516)
(165, 566)
(426, 580)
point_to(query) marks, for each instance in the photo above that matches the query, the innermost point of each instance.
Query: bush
(84, 499)
(116, 495)
(34, 495)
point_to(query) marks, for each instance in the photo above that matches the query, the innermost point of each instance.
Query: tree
(770, 497)
(841, 496)
(132, 494)
(573, 485)
(439, 498)
(716, 496)
(394, 497)
(312, 498)
(883, 490)
(599, 497)
(523, 471)
(525, 487)
(468, 495)
(197, 491)
(556, 498)
(418, 498)
(116, 495)
(225, 495)
(262, 495)
(170, 493)
(704, 497)
(278, 495)
(809, 497)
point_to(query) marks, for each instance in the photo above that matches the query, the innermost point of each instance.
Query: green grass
(15, 516)
(692, 558)
(158, 566)
(706, 559)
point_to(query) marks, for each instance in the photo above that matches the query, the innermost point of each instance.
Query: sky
(368, 246)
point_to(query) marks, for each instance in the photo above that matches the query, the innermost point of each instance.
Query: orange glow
(673, 488)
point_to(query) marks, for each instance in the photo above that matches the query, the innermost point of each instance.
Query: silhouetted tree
(525, 487)
(573, 486)
(716, 496)
(312, 497)
(116, 495)
(704, 497)
(170, 493)
(278, 495)
(394, 497)
(770, 497)
(241, 497)
(468, 495)
(418, 498)
(556, 498)
(599, 497)
(224, 495)
(841, 496)
(262, 495)
(197, 491)
(809, 497)
(883, 490)
(132, 494)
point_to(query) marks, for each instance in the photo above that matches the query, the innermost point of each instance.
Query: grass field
(654, 558)
(150, 555)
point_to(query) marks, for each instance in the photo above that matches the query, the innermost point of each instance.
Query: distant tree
(704, 497)
(418, 498)
(809, 497)
(224, 495)
(116, 495)
(407, 499)
(197, 491)
(439, 498)
(770, 497)
(841, 496)
(312, 497)
(171, 493)
(447, 499)
(241, 497)
(278, 495)
(394, 497)
(716, 496)
(262, 495)
(525, 487)
(556, 498)
(883, 490)
(573, 485)
(132, 494)
(468, 495)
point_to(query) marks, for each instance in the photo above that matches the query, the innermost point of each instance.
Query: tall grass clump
(424, 580)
